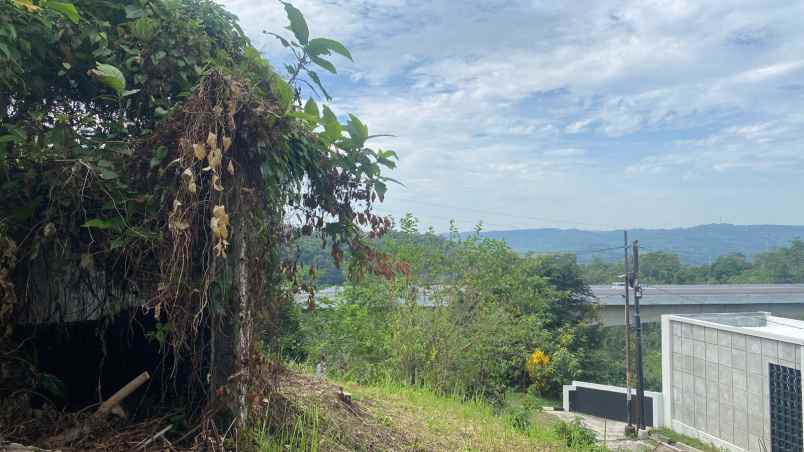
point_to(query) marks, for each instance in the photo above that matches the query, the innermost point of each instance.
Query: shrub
(519, 418)
(576, 436)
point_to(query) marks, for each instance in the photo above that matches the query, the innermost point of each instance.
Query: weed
(576, 436)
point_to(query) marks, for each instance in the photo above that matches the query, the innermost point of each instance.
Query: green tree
(463, 314)
(659, 267)
(729, 266)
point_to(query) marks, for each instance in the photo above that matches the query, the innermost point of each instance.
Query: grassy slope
(444, 423)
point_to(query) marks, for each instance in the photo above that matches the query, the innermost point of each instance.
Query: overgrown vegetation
(466, 316)
(612, 357)
(152, 162)
(577, 437)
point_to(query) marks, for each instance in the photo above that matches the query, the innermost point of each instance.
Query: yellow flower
(537, 361)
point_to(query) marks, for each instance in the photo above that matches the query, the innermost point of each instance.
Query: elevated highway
(784, 300)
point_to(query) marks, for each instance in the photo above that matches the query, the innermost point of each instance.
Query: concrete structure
(786, 300)
(734, 379)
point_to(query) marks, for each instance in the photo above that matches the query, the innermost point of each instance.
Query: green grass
(301, 435)
(671, 436)
(406, 418)
(452, 422)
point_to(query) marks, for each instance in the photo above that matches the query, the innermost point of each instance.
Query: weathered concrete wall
(719, 382)
(56, 290)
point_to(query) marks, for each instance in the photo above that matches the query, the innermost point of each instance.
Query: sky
(587, 115)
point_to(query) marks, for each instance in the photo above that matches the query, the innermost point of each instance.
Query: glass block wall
(720, 383)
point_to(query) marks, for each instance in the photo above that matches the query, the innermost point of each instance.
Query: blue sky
(589, 115)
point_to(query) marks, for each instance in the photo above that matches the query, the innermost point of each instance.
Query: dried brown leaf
(215, 157)
(200, 151)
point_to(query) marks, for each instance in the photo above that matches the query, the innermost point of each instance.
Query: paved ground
(612, 434)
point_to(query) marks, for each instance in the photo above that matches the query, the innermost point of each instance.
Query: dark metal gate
(608, 404)
(785, 409)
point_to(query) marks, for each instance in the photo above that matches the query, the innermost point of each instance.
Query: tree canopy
(780, 265)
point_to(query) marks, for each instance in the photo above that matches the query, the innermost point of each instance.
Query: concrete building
(734, 379)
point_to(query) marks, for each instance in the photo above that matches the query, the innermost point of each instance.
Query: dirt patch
(343, 424)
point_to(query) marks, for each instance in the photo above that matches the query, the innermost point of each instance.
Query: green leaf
(297, 23)
(317, 81)
(323, 63)
(6, 51)
(332, 128)
(303, 116)
(282, 91)
(110, 76)
(134, 12)
(130, 92)
(13, 134)
(284, 41)
(159, 155)
(311, 108)
(144, 29)
(328, 116)
(66, 9)
(357, 131)
(99, 223)
(322, 46)
(381, 189)
(108, 174)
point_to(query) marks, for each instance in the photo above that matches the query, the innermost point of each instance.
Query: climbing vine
(148, 152)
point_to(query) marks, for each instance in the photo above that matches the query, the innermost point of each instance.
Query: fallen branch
(124, 392)
(153, 438)
(72, 434)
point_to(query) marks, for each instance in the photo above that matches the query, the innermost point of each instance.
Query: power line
(576, 252)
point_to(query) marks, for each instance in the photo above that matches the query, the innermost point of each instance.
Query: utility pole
(627, 278)
(638, 327)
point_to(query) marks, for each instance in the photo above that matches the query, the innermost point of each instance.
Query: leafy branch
(308, 51)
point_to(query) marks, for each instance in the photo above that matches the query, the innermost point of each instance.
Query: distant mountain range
(696, 245)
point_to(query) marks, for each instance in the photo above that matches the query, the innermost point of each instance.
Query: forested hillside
(696, 245)
(783, 264)
(779, 266)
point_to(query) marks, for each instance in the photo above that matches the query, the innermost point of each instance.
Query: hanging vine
(163, 158)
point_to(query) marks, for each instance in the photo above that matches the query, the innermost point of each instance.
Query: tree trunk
(231, 332)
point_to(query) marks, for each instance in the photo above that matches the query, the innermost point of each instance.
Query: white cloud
(548, 103)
